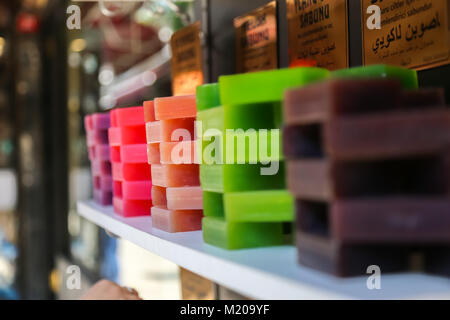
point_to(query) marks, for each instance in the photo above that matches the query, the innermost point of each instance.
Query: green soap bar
(266, 86)
(254, 116)
(213, 204)
(208, 96)
(259, 206)
(407, 77)
(232, 235)
(240, 177)
(211, 120)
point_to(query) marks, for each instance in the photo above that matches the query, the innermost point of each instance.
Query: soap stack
(97, 141)
(130, 169)
(242, 172)
(176, 192)
(369, 165)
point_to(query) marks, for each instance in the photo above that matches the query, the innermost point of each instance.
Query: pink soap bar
(169, 175)
(132, 208)
(131, 171)
(103, 197)
(149, 111)
(175, 107)
(101, 168)
(103, 183)
(184, 198)
(132, 153)
(153, 130)
(153, 153)
(177, 130)
(127, 135)
(159, 196)
(176, 221)
(99, 152)
(178, 152)
(133, 190)
(126, 117)
(97, 121)
(95, 137)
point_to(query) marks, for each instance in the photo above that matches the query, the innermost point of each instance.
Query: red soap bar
(103, 197)
(159, 196)
(132, 208)
(153, 130)
(95, 137)
(99, 152)
(153, 153)
(185, 198)
(101, 168)
(133, 190)
(176, 221)
(177, 130)
(132, 153)
(149, 111)
(178, 152)
(127, 135)
(181, 175)
(131, 171)
(175, 107)
(103, 183)
(126, 117)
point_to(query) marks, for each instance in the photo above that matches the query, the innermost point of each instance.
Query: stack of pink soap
(97, 140)
(176, 192)
(130, 170)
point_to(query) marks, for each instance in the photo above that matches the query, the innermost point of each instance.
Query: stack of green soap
(245, 200)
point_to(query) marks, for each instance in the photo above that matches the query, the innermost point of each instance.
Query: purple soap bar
(99, 152)
(97, 121)
(103, 197)
(95, 137)
(101, 168)
(103, 183)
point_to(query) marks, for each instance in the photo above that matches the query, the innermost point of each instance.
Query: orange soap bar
(170, 175)
(184, 198)
(153, 130)
(127, 135)
(178, 152)
(153, 153)
(126, 117)
(131, 171)
(132, 208)
(177, 130)
(133, 190)
(149, 111)
(175, 107)
(159, 196)
(177, 220)
(132, 153)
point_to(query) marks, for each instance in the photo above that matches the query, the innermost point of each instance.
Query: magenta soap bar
(132, 208)
(97, 121)
(102, 168)
(153, 130)
(133, 190)
(176, 220)
(133, 153)
(99, 152)
(178, 152)
(103, 183)
(175, 107)
(159, 197)
(175, 175)
(97, 137)
(126, 117)
(184, 198)
(103, 197)
(127, 135)
(131, 171)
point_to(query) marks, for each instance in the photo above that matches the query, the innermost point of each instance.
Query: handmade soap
(149, 111)
(212, 122)
(133, 190)
(131, 171)
(153, 152)
(259, 206)
(184, 198)
(103, 183)
(101, 168)
(127, 135)
(159, 197)
(175, 175)
(208, 96)
(178, 152)
(126, 117)
(132, 153)
(176, 220)
(175, 107)
(233, 235)
(97, 121)
(99, 152)
(407, 77)
(213, 205)
(344, 260)
(103, 197)
(132, 208)
(153, 130)
(177, 130)
(265, 86)
(95, 137)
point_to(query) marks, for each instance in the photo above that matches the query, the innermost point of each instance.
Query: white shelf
(266, 273)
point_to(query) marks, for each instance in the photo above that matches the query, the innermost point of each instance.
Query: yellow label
(256, 40)
(187, 70)
(414, 33)
(318, 33)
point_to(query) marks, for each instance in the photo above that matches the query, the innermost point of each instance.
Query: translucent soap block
(184, 198)
(101, 168)
(407, 77)
(213, 205)
(175, 107)
(95, 137)
(127, 135)
(132, 208)
(153, 152)
(178, 152)
(208, 96)
(181, 175)
(265, 86)
(212, 122)
(97, 121)
(103, 182)
(237, 235)
(149, 111)
(177, 130)
(103, 197)
(132, 153)
(99, 152)
(176, 220)
(159, 197)
(133, 190)
(125, 117)
(131, 171)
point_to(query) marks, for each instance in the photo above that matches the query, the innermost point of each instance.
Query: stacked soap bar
(130, 169)
(369, 165)
(97, 126)
(242, 171)
(176, 192)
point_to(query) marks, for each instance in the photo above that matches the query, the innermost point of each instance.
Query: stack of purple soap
(97, 126)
